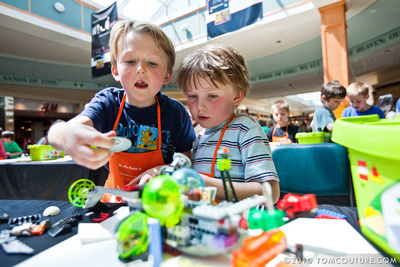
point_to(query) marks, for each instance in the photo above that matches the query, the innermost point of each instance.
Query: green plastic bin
(44, 152)
(374, 151)
(310, 138)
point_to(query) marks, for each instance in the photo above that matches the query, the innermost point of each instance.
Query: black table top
(17, 208)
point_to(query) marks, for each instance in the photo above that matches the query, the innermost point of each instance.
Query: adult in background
(386, 104)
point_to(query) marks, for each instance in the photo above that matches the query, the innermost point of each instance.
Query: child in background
(215, 79)
(332, 94)
(142, 59)
(358, 93)
(282, 133)
(386, 104)
(12, 148)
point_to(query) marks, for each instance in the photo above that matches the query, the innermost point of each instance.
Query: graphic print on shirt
(145, 138)
(148, 138)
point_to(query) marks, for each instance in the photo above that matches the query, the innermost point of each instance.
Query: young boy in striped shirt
(215, 79)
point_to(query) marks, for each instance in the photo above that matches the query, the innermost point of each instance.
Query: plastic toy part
(103, 217)
(132, 236)
(292, 204)
(227, 209)
(328, 214)
(78, 192)
(188, 179)
(262, 219)
(179, 161)
(257, 251)
(161, 199)
(224, 165)
(266, 219)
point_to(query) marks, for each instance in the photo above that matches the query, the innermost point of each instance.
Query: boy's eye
(212, 96)
(192, 96)
(131, 61)
(153, 64)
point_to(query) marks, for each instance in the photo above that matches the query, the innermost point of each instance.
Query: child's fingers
(110, 134)
(145, 179)
(90, 157)
(102, 141)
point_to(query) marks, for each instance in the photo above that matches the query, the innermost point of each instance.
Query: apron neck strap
(219, 142)
(121, 107)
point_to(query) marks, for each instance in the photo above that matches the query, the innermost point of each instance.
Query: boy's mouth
(202, 118)
(141, 84)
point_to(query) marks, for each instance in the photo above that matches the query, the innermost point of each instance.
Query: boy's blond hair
(280, 104)
(358, 88)
(218, 63)
(122, 28)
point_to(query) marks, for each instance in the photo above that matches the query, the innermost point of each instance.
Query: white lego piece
(17, 247)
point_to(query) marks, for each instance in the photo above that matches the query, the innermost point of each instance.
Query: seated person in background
(12, 148)
(242, 109)
(358, 94)
(263, 124)
(386, 104)
(282, 132)
(332, 94)
(44, 140)
(215, 79)
(3, 154)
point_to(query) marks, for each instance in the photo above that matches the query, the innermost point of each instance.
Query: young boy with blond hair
(332, 94)
(282, 132)
(358, 93)
(215, 79)
(142, 58)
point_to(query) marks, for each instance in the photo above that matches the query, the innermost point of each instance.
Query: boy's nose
(201, 105)
(140, 67)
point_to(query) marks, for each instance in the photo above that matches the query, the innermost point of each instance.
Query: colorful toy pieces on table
(190, 219)
(260, 249)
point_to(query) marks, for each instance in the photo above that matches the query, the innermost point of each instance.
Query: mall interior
(338, 200)
(46, 53)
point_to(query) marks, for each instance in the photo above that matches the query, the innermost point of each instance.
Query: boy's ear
(167, 77)
(238, 98)
(115, 74)
(323, 98)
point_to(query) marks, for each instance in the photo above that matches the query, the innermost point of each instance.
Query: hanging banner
(102, 22)
(224, 16)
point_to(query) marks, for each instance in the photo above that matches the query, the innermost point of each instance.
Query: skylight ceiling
(148, 10)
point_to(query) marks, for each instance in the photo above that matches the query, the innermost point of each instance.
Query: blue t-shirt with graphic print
(140, 124)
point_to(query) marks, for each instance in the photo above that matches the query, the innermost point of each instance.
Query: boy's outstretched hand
(83, 143)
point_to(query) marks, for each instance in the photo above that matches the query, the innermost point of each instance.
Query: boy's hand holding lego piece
(83, 143)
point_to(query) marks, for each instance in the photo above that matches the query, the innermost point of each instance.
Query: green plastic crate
(374, 151)
(310, 138)
(44, 152)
